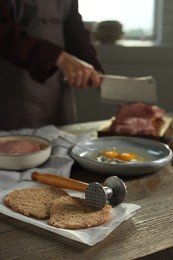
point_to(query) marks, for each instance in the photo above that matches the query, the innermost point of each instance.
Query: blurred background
(133, 38)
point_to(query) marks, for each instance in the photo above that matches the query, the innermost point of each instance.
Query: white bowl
(25, 161)
(155, 155)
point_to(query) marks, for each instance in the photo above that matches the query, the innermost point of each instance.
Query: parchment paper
(89, 236)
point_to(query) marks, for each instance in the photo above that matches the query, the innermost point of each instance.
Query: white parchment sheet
(59, 163)
(89, 236)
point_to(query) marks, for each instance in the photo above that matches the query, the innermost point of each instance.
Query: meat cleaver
(123, 90)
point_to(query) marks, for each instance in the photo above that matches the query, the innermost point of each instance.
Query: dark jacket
(32, 36)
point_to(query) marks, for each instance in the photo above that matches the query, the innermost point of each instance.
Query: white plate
(25, 161)
(155, 155)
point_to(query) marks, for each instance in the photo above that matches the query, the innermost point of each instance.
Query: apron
(23, 101)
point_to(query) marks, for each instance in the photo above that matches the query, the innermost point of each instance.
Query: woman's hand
(77, 72)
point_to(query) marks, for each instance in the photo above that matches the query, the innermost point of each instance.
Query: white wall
(129, 61)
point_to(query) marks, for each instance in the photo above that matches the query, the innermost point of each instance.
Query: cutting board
(164, 133)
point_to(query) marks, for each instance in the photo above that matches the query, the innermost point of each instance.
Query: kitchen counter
(148, 234)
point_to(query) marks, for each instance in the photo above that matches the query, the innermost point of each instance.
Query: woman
(43, 46)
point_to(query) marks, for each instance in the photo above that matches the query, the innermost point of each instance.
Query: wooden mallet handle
(59, 181)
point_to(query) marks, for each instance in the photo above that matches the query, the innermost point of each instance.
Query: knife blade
(121, 90)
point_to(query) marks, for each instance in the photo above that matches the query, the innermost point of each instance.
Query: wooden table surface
(146, 235)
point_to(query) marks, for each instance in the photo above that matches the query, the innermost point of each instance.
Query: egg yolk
(110, 154)
(126, 156)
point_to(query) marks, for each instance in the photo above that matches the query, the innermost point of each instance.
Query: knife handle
(59, 181)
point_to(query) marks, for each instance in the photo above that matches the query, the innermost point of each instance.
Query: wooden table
(147, 235)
